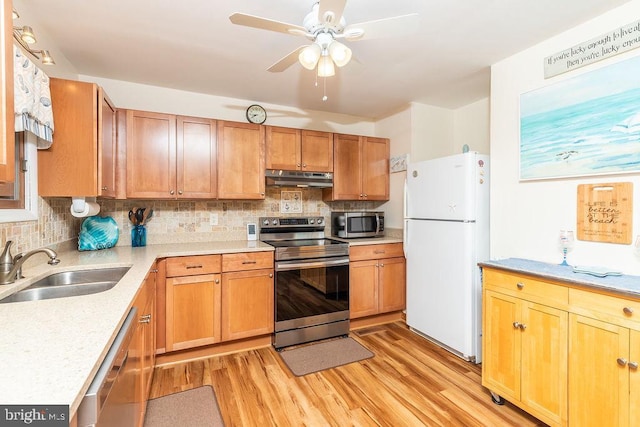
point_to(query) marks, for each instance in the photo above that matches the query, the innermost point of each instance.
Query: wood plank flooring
(409, 382)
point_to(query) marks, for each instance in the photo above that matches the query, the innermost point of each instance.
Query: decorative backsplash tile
(172, 221)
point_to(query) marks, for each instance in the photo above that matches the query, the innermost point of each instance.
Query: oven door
(311, 292)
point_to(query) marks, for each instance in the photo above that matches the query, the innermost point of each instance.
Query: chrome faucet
(11, 266)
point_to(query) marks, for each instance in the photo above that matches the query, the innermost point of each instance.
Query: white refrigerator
(446, 233)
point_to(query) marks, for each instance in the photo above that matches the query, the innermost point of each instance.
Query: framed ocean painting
(585, 125)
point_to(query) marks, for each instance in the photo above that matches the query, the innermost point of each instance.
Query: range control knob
(312, 221)
(265, 222)
(320, 221)
(274, 222)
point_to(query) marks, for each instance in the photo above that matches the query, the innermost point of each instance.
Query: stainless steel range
(311, 281)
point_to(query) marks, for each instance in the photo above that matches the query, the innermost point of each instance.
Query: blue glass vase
(138, 236)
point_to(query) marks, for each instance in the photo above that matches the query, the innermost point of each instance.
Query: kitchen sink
(70, 284)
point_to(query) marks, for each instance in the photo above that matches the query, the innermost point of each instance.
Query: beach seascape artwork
(585, 125)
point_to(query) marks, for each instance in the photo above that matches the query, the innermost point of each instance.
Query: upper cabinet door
(375, 168)
(7, 139)
(283, 148)
(151, 155)
(347, 178)
(70, 166)
(241, 161)
(196, 158)
(317, 151)
(107, 147)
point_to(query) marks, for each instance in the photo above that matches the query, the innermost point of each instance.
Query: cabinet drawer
(193, 265)
(621, 311)
(365, 252)
(526, 287)
(247, 261)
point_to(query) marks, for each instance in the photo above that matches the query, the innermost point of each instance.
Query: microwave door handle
(377, 224)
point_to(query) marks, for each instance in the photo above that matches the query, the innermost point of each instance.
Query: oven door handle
(286, 266)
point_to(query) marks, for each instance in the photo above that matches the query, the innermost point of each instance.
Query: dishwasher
(110, 400)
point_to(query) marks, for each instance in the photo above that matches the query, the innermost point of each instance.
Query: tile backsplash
(172, 222)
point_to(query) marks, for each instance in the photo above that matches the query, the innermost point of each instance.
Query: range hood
(283, 178)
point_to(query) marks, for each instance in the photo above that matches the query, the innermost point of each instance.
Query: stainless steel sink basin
(70, 284)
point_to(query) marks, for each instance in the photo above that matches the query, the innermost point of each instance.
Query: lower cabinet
(142, 348)
(377, 279)
(192, 301)
(567, 355)
(214, 298)
(604, 355)
(247, 295)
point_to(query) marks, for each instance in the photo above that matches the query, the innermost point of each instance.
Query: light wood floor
(409, 382)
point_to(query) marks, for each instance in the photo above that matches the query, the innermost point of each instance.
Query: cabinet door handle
(365, 195)
(381, 265)
(520, 285)
(516, 325)
(193, 266)
(172, 192)
(378, 251)
(145, 319)
(270, 275)
(628, 310)
(217, 281)
(180, 192)
(523, 326)
(298, 164)
(249, 262)
(633, 365)
(304, 165)
(621, 361)
(104, 188)
(155, 270)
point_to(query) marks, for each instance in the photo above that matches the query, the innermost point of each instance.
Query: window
(19, 200)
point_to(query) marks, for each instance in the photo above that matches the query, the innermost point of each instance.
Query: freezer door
(443, 284)
(442, 188)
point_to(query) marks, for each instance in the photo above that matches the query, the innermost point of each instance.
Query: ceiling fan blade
(386, 27)
(266, 24)
(286, 62)
(330, 11)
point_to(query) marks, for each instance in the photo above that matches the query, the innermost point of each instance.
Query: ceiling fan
(324, 26)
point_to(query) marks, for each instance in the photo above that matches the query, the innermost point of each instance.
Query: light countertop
(51, 349)
(624, 285)
(370, 240)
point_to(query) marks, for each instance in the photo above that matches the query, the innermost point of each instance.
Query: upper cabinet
(241, 161)
(170, 157)
(82, 160)
(361, 168)
(7, 142)
(295, 149)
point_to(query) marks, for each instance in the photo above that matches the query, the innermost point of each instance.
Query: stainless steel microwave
(350, 225)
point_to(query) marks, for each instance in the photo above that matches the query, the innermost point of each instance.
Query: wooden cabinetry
(241, 161)
(192, 301)
(170, 157)
(377, 279)
(361, 168)
(604, 354)
(295, 149)
(7, 139)
(247, 295)
(524, 343)
(82, 160)
(142, 349)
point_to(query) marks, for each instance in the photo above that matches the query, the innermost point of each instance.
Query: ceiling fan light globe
(325, 67)
(340, 53)
(309, 56)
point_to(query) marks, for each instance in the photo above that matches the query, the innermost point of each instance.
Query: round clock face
(256, 114)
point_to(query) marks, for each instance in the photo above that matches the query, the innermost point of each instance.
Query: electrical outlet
(213, 219)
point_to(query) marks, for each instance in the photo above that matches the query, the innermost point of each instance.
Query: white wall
(397, 127)
(471, 127)
(432, 130)
(527, 216)
(164, 100)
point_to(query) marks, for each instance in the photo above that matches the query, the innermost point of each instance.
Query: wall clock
(256, 114)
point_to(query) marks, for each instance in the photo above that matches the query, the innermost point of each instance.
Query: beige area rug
(192, 408)
(324, 355)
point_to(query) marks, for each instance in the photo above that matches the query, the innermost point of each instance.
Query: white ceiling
(192, 45)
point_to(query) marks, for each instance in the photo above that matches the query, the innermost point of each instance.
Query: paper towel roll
(80, 208)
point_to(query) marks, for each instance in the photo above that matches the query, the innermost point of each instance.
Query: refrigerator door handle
(405, 237)
(405, 199)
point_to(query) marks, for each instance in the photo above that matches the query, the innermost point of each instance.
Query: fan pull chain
(324, 98)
